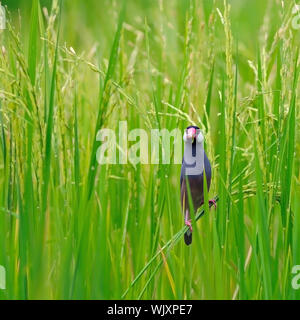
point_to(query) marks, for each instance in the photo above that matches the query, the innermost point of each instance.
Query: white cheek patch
(200, 138)
(185, 138)
(194, 163)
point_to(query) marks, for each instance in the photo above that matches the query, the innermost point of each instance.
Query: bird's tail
(188, 237)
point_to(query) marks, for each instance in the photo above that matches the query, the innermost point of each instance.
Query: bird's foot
(213, 201)
(188, 223)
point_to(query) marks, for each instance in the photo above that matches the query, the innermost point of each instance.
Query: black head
(195, 127)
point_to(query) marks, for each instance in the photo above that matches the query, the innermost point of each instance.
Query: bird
(194, 162)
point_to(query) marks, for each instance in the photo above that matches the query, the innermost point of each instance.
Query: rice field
(71, 228)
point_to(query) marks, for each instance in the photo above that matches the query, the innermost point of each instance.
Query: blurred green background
(73, 229)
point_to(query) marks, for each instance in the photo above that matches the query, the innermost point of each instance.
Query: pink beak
(191, 133)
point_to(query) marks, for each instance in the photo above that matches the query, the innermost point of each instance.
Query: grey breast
(195, 183)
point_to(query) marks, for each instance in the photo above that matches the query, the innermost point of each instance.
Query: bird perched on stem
(194, 163)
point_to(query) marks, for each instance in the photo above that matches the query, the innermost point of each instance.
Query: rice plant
(73, 228)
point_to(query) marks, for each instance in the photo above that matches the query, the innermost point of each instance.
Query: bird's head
(191, 133)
